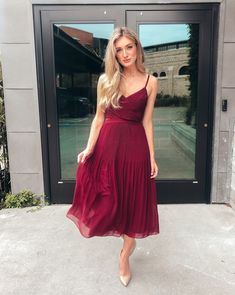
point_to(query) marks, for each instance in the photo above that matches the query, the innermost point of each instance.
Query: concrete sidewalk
(43, 253)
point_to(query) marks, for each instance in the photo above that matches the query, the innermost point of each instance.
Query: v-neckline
(137, 90)
(134, 92)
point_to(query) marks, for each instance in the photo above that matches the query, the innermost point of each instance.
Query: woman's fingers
(154, 170)
(79, 157)
(83, 158)
(154, 175)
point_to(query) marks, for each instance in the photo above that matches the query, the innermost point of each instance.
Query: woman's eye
(130, 46)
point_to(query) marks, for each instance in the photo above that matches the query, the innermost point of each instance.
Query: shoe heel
(125, 279)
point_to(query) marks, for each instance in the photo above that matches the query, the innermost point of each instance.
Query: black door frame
(44, 13)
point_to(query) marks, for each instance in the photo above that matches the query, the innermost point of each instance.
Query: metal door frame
(64, 13)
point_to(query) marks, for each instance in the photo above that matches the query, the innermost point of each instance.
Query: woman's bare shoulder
(152, 79)
(152, 82)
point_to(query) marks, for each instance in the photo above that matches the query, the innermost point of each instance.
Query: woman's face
(126, 51)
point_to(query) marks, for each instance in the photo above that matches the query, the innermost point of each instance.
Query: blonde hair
(110, 79)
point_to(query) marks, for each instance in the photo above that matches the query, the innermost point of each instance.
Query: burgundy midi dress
(114, 193)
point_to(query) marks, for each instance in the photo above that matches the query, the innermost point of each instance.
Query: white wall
(227, 120)
(21, 98)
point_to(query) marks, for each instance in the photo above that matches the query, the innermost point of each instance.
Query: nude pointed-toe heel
(124, 279)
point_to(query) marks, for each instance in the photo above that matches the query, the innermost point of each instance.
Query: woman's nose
(124, 52)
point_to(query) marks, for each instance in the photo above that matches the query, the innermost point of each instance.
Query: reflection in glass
(79, 51)
(172, 57)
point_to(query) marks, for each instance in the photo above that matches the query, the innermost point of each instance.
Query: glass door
(79, 50)
(177, 53)
(74, 43)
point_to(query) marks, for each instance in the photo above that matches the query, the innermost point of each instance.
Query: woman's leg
(128, 245)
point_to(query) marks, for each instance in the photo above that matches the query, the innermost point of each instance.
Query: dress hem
(111, 232)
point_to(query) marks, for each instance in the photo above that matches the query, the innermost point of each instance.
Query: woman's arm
(148, 123)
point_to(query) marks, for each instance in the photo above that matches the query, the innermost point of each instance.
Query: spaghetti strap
(147, 81)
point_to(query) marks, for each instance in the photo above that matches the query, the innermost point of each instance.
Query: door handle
(205, 125)
(49, 125)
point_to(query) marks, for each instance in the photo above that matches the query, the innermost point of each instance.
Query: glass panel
(172, 57)
(79, 52)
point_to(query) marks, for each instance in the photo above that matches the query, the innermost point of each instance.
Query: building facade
(26, 98)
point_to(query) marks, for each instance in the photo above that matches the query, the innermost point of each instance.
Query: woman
(115, 192)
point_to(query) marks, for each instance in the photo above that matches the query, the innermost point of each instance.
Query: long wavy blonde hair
(110, 79)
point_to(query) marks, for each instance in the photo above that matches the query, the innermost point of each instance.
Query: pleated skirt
(114, 193)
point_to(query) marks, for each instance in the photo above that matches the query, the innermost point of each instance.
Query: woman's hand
(84, 155)
(154, 168)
